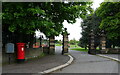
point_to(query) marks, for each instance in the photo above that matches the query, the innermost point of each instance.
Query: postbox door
(21, 51)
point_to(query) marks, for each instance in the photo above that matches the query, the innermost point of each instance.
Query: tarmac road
(85, 63)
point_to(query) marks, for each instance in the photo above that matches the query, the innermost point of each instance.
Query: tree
(23, 18)
(110, 18)
(104, 18)
(110, 14)
(73, 41)
(92, 22)
(45, 16)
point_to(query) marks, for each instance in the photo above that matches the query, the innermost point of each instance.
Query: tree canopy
(91, 23)
(110, 14)
(26, 17)
(106, 18)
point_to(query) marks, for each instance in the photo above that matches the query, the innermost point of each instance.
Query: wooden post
(52, 45)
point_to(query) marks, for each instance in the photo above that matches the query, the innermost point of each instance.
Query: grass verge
(80, 49)
(58, 45)
(73, 46)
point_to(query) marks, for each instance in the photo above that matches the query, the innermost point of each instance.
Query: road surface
(85, 63)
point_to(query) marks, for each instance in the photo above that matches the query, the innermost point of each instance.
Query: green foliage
(110, 14)
(73, 42)
(22, 17)
(73, 46)
(80, 49)
(92, 22)
(26, 17)
(58, 45)
(106, 17)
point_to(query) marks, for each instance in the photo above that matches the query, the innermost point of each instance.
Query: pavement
(38, 65)
(114, 57)
(117, 56)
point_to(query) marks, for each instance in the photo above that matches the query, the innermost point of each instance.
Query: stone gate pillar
(103, 43)
(65, 42)
(52, 45)
(92, 44)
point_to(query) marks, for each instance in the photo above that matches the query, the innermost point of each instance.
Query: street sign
(9, 48)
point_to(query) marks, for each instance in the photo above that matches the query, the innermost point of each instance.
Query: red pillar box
(21, 52)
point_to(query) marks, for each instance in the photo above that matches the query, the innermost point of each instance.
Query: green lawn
(73, 46)
(80, 49)
(58, 45)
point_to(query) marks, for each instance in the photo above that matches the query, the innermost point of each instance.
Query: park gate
(92, 43)
(65, 43)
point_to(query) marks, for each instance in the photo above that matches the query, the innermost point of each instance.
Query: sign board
(9, 48)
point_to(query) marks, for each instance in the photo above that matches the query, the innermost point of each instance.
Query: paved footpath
(39, 65)
(85, 63)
